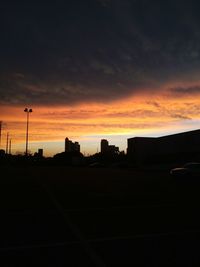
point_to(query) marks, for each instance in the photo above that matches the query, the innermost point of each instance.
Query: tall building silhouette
(104, 146)
(40, 152)
(70, 146)
(108, 149)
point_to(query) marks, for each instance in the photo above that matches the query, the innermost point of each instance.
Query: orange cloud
(140, 114)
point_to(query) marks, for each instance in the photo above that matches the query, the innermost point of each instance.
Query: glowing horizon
(98, 69)
(87, 123)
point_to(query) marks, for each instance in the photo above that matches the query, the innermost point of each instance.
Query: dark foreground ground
(57, 216)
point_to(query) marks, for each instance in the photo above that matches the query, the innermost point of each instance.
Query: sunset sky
(93, 69)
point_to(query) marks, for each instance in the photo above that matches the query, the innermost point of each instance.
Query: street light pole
(0, 132)
(10, 146)
(27, 125)
(7, 139)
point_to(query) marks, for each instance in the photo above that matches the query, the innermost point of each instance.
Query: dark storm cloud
(189, 90)
(100, 50)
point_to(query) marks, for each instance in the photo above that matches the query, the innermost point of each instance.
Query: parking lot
(58, 216)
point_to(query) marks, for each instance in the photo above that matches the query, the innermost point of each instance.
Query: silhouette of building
(2, 152)
(185, 146)
(40, 152)
(104, 146)
(108, 149)
(70, 146)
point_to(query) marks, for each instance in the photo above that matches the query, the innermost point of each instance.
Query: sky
(98, 69)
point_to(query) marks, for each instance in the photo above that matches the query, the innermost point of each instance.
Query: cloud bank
(99, 50)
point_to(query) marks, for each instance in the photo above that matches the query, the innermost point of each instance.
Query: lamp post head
(28, 110)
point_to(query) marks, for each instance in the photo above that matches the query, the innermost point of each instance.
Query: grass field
(62, 216)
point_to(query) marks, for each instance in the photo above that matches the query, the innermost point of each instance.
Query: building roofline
(164, 136)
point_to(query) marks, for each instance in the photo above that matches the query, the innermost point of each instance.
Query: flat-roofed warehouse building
(181, 146)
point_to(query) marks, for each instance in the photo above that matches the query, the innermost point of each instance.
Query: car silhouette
(191, 169)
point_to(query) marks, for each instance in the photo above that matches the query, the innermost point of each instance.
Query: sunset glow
(143, 115)
(98, 69)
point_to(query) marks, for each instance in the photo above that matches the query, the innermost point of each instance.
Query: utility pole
(0, 131)
(7, 143)
(10, 146)
(27, 125)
